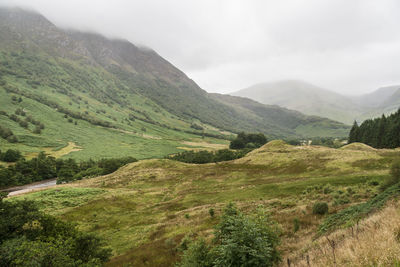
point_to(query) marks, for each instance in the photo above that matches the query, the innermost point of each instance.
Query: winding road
(13, 191)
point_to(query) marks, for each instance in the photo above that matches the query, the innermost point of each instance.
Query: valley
(110, 155)
(145, 209)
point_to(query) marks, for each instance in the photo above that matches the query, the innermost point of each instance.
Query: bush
(239, 241)
(37, 130)
(23, 124)
(12, 139)
(320, 208)
(211, 212)
(5, 132)
(327, 189)
(196, 255)
(296, 224)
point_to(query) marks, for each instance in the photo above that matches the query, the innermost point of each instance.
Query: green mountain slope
(287, 122)
(108, 97)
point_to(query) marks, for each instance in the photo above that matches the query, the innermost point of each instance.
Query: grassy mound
(358, 146)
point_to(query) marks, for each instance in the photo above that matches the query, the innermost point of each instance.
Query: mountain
(100, 97)
(312, 100)
(377, 98)
(303, 97)
(285, 121)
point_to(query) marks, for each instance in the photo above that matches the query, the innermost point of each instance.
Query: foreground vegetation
(145, 209)
(29, 237)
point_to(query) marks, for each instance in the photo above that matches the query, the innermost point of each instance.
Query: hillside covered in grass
(145, 209)
(63, 89)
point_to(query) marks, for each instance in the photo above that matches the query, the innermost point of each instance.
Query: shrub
(327, 189)
(373, 183)
(37, 130)
(23, 124)
(196, 127)
(12, 139)
(197, 254)
(239, 241)
(211, 212)
(296, 224)
(320, 208)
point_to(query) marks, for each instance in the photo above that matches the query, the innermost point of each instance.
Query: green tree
(354, 133)
(11, 155)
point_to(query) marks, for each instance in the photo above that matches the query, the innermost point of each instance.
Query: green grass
(55, 201)
(145, 203)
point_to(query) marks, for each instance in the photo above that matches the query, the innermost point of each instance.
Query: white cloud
(350, 46)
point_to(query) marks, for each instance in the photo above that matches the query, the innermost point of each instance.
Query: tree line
(204, 156)
(241, 145)
(383, 132)
(248, 140)
(45, 167)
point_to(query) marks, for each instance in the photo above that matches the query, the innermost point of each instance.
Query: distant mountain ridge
(312, 100)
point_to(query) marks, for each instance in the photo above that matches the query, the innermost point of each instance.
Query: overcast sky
(349, 46)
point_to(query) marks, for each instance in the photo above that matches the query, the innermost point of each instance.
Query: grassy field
(144, 209)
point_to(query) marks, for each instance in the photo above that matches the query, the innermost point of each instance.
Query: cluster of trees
(7, 134)
(240, 240)
(29, 237)
(45, 167)
(10, 155)
(250, 140)
(381, 132)
(203, 156)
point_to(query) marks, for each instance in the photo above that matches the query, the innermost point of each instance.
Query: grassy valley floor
(144, 209)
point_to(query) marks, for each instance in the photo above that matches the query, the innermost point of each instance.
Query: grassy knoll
(144, 209)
